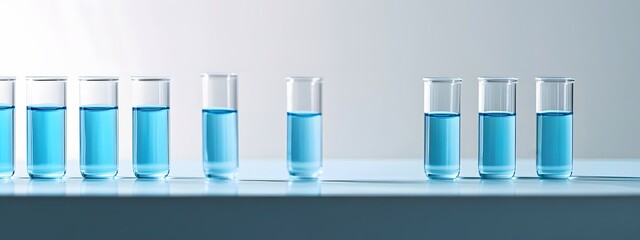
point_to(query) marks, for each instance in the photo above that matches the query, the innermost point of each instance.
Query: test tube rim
(498, 79)
(7, 78)
(442, 79)
(47, 78)
(98, 78)
(218, 74)
(555, 79)
(304, 78)
(150, 78)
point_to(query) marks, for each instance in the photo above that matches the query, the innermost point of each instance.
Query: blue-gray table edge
(333, 217)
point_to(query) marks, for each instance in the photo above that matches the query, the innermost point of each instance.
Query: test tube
(442, 127)
(497, 127)
(7, 132)
(98, 127)
(304, 126)
(554, 110)
(46, 127)
(219, 125)
(150, 127)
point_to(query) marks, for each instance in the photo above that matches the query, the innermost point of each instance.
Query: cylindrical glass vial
(442, 127)
(150, 127)
(7, 132)
(554, 110)
(98, 127)
(304, 126)
(46, 126)
(219, 125)
(497, 127)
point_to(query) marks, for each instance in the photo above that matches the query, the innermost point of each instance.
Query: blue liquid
(554, 144)
(46, 137)
(98, 141)
(442, 145)
(497, 145)
(151, 142)
(304, 144)
(220, 143)
(6, 141)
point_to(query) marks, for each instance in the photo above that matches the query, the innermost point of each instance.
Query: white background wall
(372, 54)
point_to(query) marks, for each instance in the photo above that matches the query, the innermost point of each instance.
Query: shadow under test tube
(442, 127)
(497, 127)
(150, 127)
(98, 127)
(554, 110)
(46, 127)
(7, 129)
(304, 126)
(219, 125)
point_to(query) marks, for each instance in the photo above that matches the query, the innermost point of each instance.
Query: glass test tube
(98, 127)
(304, 126)
(219, 125)
(150, 127)
(554, 110)
(442, 127)
(46, 127)
(7, 132)
(497, 127)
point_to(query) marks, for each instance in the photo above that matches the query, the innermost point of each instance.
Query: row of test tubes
(497, 127)
(46, 126)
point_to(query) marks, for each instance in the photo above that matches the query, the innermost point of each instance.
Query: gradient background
(372, 55)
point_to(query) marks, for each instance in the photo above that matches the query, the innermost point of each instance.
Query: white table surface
(341, 177)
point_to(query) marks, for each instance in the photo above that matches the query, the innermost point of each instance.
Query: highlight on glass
(219, 125)
(304, 127)
(442, 127)
(46, 127)
(497, 127)
(98, 127)
(7, 126)
(554, 132)
(150, 127)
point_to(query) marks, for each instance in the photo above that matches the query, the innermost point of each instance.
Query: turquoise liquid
(98, 141)
(497, 145)
(220, 143)
(6, 141)
(151, 142)
(442, 145)
(46, 138)
(304, 144)
(554, 156)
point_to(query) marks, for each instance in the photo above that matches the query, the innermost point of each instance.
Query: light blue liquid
(220, 143)
(98, 141)
(151, 142)
(46, 140)
(304, 144)
(554, 144)
(497, 145)
(442, 145)
(6, 141)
